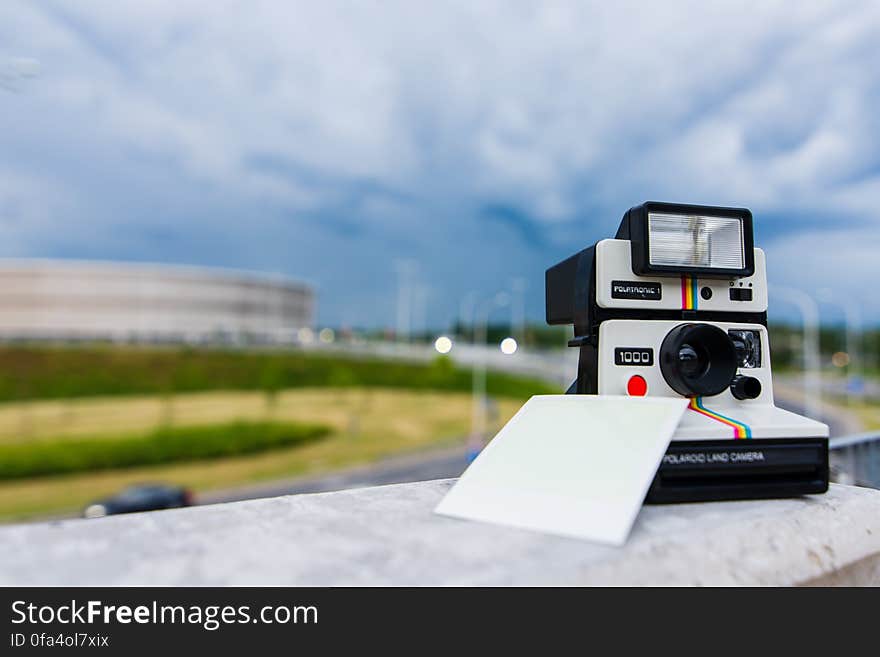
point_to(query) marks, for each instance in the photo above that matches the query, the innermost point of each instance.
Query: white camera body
(670, 308)
(636, 342)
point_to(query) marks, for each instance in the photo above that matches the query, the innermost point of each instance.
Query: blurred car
(142, 497)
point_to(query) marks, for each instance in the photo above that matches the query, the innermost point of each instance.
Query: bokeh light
(509, 346)
(443, 345)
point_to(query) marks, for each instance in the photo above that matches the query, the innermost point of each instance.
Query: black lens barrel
(698, 359)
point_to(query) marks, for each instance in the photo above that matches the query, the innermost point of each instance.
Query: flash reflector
(675, 239)
(687, 241)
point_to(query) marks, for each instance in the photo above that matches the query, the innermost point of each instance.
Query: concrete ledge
(389, 536)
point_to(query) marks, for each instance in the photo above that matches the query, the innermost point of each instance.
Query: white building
(63, 299)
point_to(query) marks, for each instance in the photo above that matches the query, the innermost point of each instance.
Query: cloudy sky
(479, 141)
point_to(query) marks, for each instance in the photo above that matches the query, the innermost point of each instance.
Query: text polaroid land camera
(676, 305)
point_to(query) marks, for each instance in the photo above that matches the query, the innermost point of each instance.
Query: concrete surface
(388, 535)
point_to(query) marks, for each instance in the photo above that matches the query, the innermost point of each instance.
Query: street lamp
(518, 310)
(305, 335)
(509, 346)
(327, 335)
(809, 311)
(443, 344)
(478, 387)
(466, 313)
(406, 270)
(852, 320)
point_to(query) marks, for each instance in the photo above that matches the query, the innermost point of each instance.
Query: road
(436, 464)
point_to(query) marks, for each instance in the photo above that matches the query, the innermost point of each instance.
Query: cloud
(483, 140)
(837, 266)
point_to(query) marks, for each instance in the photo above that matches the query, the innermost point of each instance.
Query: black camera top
(667, 241)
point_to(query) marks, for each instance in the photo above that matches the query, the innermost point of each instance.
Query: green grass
(45, 372)
(161, 446)
(79, 422)
(367, 424)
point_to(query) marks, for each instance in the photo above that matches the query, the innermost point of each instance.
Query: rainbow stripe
(689, 296)
(740, 430)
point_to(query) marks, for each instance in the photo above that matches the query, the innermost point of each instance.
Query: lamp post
(478, 372)
(518, 310)
(466, 312)
(405, 274)
(852, 320)
(812, 378)
(419, 311)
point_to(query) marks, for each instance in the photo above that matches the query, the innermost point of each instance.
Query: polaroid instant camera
(676, 305)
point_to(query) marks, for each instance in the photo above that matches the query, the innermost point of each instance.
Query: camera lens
(698, 359)
(690, 362)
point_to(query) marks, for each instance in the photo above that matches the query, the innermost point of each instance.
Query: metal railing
(855, 459)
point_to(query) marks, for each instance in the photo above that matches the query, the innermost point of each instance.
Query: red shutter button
(637, 386)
